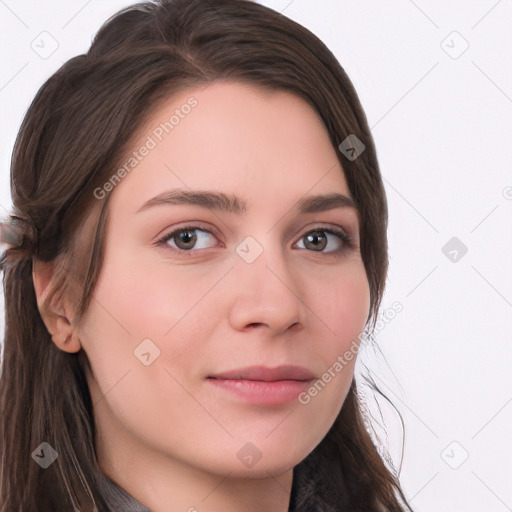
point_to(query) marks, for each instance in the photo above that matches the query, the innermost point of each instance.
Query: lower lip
(261, 392)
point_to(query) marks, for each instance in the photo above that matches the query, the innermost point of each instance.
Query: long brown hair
(72, 139)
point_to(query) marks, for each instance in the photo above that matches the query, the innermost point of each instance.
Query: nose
(266, 295)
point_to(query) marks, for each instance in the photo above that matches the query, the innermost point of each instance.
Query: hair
(72, 138)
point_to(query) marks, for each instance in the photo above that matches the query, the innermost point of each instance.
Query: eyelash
(345, 239)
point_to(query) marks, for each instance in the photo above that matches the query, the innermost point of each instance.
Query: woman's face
(237, 269)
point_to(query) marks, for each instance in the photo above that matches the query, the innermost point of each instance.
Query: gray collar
(117, 498)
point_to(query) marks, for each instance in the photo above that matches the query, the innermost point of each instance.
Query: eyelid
(191, 225)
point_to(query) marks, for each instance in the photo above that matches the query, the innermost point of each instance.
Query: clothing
(304, 496)
(118, 499)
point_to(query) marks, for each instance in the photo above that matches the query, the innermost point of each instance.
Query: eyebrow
(218, 201)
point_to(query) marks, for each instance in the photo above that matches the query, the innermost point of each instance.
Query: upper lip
(263, 373)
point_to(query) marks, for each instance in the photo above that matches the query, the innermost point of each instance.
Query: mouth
(264, 386)
(265, 374)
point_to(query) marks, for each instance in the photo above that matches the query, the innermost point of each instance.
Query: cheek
(342, 308)
(147, 299)
(130, 307)
(343, 303)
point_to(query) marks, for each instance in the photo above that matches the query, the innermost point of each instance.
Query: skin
(165, 434)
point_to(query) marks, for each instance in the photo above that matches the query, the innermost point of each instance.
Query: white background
(442, 127)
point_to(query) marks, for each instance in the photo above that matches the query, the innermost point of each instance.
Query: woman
(197, 244)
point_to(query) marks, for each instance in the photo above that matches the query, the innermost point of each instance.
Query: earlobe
(63, 334)
(58, 321)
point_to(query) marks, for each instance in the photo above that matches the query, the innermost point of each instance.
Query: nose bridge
(265, 290)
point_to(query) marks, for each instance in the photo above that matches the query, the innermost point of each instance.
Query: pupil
(315, 237)
(187, 238)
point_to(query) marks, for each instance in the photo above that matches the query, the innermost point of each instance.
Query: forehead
(263, 145)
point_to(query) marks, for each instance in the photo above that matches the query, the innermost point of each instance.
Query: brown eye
(318, 239)
(315, 240)
(187, 238)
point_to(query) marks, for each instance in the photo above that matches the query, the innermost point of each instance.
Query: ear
(58, 319)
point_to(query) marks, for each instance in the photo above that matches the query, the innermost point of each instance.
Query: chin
(259, 460)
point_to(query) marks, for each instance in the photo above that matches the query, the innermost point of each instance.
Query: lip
(266, 374)
(262, 385)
